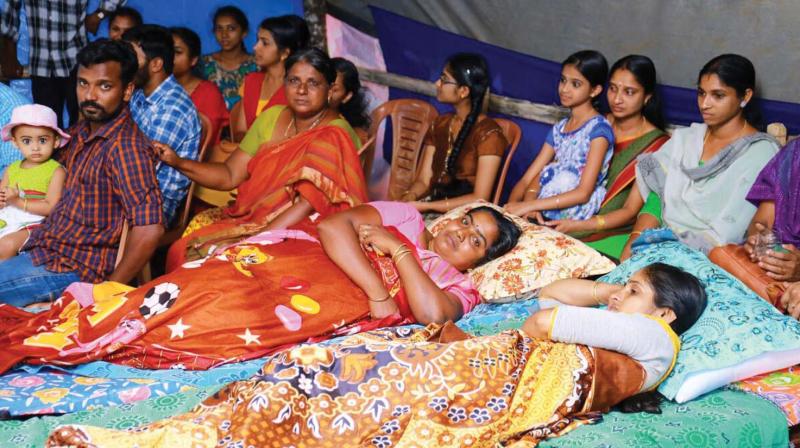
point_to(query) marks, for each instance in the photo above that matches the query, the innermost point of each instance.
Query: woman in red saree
(298, 161)
(371, 266)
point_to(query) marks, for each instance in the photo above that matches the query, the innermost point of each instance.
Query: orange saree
(321, 165)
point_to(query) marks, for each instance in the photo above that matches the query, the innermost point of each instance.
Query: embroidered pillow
(541, 257)
(739, 335)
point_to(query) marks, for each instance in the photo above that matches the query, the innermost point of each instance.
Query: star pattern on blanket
(178, 328)
(249, 337)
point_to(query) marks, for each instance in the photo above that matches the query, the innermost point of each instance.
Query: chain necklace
(293, 123)
(639, 131)
(708, 134)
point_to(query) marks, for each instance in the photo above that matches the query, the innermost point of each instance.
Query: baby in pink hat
(31, 187)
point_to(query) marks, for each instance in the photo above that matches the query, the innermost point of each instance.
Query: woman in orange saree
(295, 161)
(371, 266)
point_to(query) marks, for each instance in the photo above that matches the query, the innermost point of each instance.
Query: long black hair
(190, 38)
(290, 32)
(685, 295)
(469, 70)
(355, 109)
(737, 72)
(507, 234)
(593, 66)
(317, 59)
(237, 15)
(644, 71)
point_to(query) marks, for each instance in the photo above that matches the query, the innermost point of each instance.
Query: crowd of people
(294, 182)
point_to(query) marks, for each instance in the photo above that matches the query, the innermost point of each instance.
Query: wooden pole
(314, 12)
(497, 103)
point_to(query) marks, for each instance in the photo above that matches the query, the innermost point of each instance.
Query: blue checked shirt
(56, 29)
(169, 116)
(9, 99)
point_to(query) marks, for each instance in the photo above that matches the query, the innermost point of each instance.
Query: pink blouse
(409, 222)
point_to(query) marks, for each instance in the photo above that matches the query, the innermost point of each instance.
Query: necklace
(639, 131)
(708, 134)
(293, 123)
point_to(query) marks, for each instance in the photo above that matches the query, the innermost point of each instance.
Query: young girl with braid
(567, 179)
(463, 150)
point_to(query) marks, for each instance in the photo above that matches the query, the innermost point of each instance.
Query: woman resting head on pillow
(643, 320)
(436, 290)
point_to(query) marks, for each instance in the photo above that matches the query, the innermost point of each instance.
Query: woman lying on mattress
(371, 266)
(439, 386)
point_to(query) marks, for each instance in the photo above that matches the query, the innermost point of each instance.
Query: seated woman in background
(697, 183)
(294, 161)
(368, 267)
(462, 150)
(347, 96)
(776, 193)
(438, 384)
(204, 94)
(227, 67)
(278, 38)
(567, 179)
(638, 124)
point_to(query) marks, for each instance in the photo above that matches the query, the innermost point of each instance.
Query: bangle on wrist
(635, 233)
(400, 257)
(601, 222)
(382, 299)
(398, 249)
(594, 293)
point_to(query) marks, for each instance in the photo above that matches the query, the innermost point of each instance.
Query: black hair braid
(466, 128)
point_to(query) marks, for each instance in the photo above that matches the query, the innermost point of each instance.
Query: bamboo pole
(497, 103)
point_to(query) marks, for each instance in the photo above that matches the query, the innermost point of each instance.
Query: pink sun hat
(33, 115)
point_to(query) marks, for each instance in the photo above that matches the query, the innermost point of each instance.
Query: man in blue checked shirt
(163, 110)
(9, 99)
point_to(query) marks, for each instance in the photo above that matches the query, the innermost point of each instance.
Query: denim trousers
(22, 283)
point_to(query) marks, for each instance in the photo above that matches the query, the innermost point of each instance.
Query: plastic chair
(237, 124)
(410, 122)
(513, 134)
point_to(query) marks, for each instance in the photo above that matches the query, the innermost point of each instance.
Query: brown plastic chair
(410, 122)
(513, 134)
(237, 124)
(173, 234)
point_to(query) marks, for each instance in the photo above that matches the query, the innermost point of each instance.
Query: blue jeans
(22, 283)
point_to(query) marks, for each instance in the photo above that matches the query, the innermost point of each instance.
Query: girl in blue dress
(567, 178)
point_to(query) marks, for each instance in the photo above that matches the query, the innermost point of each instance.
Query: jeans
(22, 283)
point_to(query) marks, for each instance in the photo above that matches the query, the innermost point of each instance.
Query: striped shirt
(110, 179)
(56, 28)
(9, 100)
(169, 116)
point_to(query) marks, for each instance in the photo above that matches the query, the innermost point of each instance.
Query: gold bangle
(594, 293)
(25, 205)
(447, 204)
(558, 202)
(398, 249)
(601, 222)
(533, 190)
(388, 296)
(636, 233)
(400, 258)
